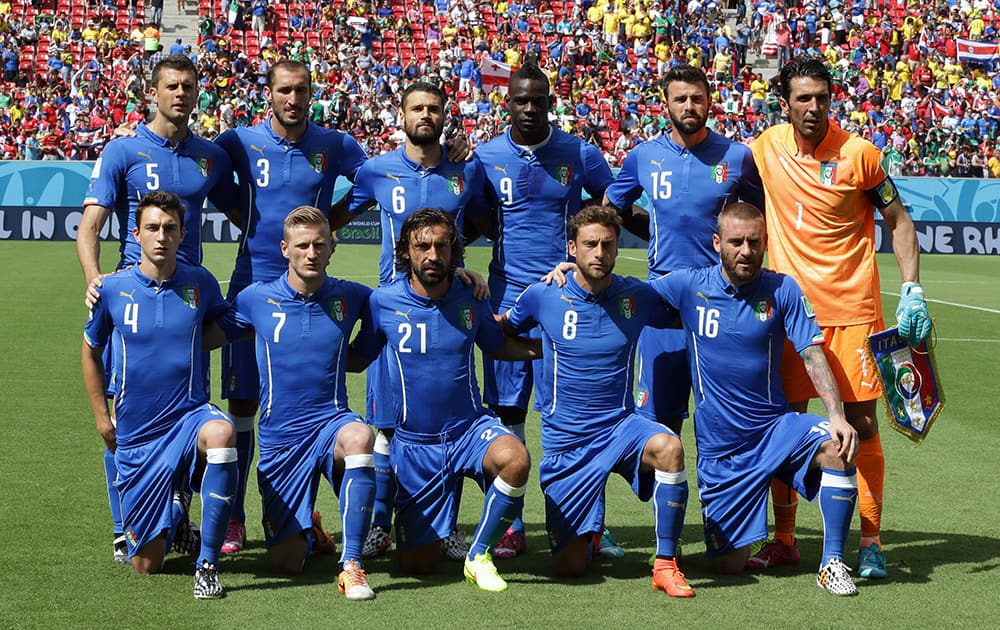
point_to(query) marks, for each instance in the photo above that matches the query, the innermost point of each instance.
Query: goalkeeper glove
(912, 318)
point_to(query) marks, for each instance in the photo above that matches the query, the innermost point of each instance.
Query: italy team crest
(910, 387)
(204, 166)
(720, 173)
(626, 306)
(763, 309)
(828, 173)
(456, 185)
(191, 297)
(564, 174)
(318, 161)
(467, 316)
(338, 308)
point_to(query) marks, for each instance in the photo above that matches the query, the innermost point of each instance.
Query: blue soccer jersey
(536, 192)
(302, 347)
(588, 344)
(687, 188)
(735, 339)
(276, 176)
(194, 169)
(155, 335)
(432, 371)
(401, 186)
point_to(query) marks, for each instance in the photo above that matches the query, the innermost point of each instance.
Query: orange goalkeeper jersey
(820, 222)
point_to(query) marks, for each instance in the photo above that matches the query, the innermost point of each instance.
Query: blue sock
(114, 501)
(357, 492)
(244, 449)
(218, 488)
(385, 484)
(502, 503)
(670, 495)
(838, 492)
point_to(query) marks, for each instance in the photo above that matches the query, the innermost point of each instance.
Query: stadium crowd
(73, 71)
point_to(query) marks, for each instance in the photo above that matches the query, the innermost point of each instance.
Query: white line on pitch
(969, 340)
(955, 304)
(631, 258)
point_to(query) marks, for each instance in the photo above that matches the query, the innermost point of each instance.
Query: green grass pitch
(941, 531)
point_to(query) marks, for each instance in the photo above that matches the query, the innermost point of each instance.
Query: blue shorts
(430, 470)
(378, 394)
(573, 481)
(663, 369)
(149, 474)
(288, 479)
(734, 489)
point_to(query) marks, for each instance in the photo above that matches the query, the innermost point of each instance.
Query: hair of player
(595, 213)
(180, 63)
(423, 219)
(164, 200)
(808, 66)
(530, 72)
(422, 86)
(288, 65)
(686, 73)
(739, 210)
(304, 215)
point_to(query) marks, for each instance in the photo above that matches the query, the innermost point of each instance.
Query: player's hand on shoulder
(93, 293)
(558, 274)
(480, 290)
(459, 149)
(125, 130)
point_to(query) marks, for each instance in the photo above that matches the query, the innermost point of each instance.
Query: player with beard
(688, 176)
(281, 163)
(417, 175)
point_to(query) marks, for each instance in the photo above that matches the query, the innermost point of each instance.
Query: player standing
(417, 175)
(162, 155)
(688, 175)
(284, 162)
(429, 323)
(302, 323)
(168, 437)
(822, 185)
(590, 327)
(536, 174)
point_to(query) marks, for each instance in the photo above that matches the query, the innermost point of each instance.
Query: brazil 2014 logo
(338, 308)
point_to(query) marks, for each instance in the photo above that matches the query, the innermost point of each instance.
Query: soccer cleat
(377, 542)
(455, 547)
(835, 577)
(871, 563)
(236, 537)
(324, 542)
(120, 549)
(773, 554)
(608, 547)
(669, 579)
(206, 582)
(511, 544)
(353, 583)
(187, 539)
(483, 573)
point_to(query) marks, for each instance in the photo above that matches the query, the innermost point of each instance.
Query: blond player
(822, 186)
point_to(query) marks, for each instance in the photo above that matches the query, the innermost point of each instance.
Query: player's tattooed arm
(822, 379)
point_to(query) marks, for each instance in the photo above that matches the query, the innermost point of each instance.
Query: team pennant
(911, 391)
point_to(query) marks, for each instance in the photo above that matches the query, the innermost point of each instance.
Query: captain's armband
(884, 194)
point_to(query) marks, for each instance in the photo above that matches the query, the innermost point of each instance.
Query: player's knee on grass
(573, 559)
(508, 459)
(355, 438)
(732, 563)
(238, 407)
(827, 457)
(216, 434)
(289, 556)
(150, 558)
(664, 452)
(420, 561)
(511, 416)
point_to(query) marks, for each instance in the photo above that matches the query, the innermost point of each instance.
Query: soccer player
(590, 327)
(822, 186)
(284, 162)
(412, 177)
(737, 318)
(429, 323)
(688, 175)
(303, 322)
(167, 437)
(536, 174)
(163, 154)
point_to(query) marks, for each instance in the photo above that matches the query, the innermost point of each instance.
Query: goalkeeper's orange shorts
(852, 368)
